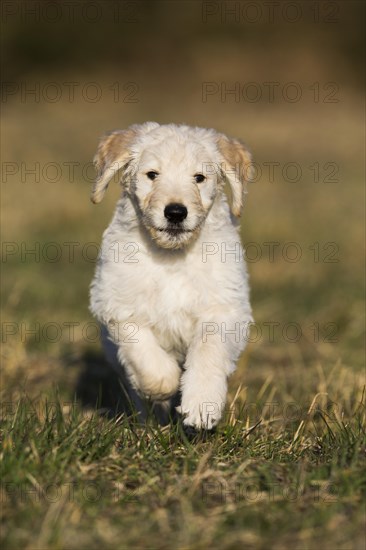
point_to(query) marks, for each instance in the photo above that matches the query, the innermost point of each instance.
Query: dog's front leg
(210, 359)
(151, 370)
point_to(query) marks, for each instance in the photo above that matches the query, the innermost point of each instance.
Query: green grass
(73, 478)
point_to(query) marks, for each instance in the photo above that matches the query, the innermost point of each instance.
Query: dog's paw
(203, 399)
(161, 385)
(198, 415)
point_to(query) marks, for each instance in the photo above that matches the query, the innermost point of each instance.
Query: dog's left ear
(237, 169)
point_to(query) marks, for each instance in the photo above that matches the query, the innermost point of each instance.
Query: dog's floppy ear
(113, 153)
(237, 169)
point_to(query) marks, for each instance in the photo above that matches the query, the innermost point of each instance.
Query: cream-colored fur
(174, 299)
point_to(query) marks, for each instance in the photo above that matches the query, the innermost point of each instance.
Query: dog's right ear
(113, 153)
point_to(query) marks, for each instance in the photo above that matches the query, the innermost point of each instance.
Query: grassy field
(285, 469)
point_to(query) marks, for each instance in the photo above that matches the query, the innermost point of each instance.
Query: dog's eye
(152, 175)
(199, 178)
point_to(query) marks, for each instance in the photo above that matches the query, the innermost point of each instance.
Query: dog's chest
(177, 292)
(168, 292)
(177, 297)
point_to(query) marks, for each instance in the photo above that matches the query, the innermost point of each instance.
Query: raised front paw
(160, 385)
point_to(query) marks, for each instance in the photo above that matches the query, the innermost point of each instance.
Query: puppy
(170, 288)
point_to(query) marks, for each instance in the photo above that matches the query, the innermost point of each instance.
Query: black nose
(175, 212)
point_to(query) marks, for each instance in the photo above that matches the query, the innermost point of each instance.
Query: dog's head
(172, 175)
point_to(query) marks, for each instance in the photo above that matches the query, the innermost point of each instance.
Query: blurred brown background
(77, 69)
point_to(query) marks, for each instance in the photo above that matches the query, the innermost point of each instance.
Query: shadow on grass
(98, 386)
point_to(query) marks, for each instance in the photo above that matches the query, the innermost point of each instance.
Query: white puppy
(170, 288)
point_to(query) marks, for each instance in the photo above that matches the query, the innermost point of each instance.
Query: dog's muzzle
(174, 232)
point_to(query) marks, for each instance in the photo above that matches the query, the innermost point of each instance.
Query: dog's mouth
(174, 230)
(173, 236)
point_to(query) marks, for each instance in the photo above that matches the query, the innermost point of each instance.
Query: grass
(270, 477)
